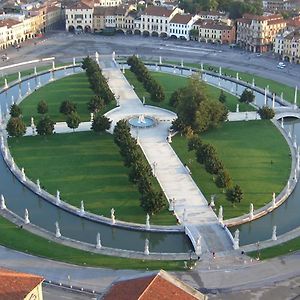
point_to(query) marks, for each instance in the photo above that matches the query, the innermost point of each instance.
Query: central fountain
(142, 121)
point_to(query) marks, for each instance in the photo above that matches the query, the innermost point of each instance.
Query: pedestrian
(214, 255)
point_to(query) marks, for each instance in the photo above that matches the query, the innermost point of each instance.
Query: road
(64, 46)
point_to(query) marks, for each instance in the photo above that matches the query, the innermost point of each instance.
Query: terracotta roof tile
(158, 11)
(161, 286)
(15, 285)
(181, 19)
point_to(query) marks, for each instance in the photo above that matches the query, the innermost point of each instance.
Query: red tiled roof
(182, 19)
(78, 5)
(15, 285)
(161, 286)
(9, 22)
(158, 11)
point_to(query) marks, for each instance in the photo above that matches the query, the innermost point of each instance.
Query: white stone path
(174, 178)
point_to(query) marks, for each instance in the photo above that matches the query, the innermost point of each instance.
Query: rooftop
(181, 19)
(161, 286)
(158, 11)
(15, 285)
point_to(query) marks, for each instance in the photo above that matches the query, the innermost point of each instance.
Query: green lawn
(170, 83)
(275, 87)
(84, 166)
(247, 150)
(75, 88)
(282, 249)
(14, 76)
(13, 237)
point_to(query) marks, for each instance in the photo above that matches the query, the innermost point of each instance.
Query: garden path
(191, 207)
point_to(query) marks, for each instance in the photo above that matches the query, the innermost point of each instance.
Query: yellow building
(291, 47)
(257, 33)
(20, 286)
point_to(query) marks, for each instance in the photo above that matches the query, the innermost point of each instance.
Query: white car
(282, 64)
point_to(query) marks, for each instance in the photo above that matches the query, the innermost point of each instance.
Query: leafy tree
(45, 126)
(15, 111)
(235, 194)
(153, 202)
(204, 152)
(67, 107)
(222, 97)
(194, 143)
(100, 123)
(42, 107)
(73, 120)
(194, 110)
(175, 98)
(213, 165)
(266, 112)
(223, 179)
(247, 96)
(95, 104)
(16, 127)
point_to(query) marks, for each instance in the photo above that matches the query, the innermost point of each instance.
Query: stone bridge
(287, 111)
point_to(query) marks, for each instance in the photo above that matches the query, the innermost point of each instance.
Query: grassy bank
(282, 249)
(171, 83)
(84, 166)
(75, 88)
(255, 155)
(13, 237)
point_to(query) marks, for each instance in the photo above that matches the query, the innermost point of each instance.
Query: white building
(180, 25)
(79, 17)
(155, 20)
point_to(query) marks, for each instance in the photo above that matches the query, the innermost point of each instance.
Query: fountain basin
(142, 121)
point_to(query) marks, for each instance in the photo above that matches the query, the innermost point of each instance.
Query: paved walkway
(225, 273)
(191, 207)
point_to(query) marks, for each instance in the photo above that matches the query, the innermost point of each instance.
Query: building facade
(214, 32)
(181, 25)
(257, 33)
(155, 20)
(79, 17)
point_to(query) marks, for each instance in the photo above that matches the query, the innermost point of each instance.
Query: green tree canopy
(73, 120)
(42, 107)
(100, 123)
(45, 126)
(247, 96)
(15, 111)
(15, 127)
(67, 107)
(95, 104)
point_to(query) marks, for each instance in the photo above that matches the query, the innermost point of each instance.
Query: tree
(247, 96)
(153, 202)
(67, 107)
(42, 107)
(45, 126)
(266, 112)
(223, 179)
(16, 127)
(194, 33)
(235, 194)
(222, 97)
(100, 123)
(213, 165)
(194, 143)
(73, 120)
(15, 111)
(95, 104)
(175, 98)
